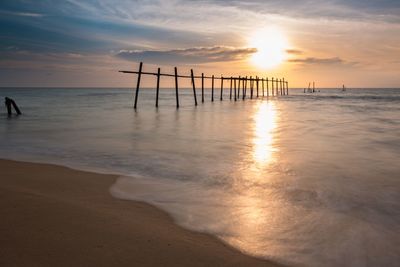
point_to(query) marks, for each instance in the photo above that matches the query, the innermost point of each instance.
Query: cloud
(323, 61)
(189, 55)
(294, 51)
(21, 14)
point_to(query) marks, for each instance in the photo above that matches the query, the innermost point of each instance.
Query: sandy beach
(56, 216)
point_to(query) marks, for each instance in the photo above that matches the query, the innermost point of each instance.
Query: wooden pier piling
(238, 87)
(272, 87)
(8, 106)
(251, 87)
(138, 84)
(222, 88)
(11, 103)
(176, 88)
(234, 88)
(258, 80)
(263, 88)
(202, 88)
(158, 85)
(287, 87)
(230, 90)
(267, 89)
(212, 89)
(194, 88)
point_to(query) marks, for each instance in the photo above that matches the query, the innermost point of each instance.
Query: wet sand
(56, 216)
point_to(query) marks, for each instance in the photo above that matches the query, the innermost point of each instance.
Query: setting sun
(271, 44)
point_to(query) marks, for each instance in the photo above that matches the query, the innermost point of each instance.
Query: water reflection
(264, 126)
(253, 203)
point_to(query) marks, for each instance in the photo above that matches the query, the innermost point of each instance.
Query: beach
(56, 216)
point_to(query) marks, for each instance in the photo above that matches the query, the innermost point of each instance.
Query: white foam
(286, 225)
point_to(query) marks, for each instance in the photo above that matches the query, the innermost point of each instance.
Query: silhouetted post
(212, 88)
(222, 87)
(202, 88)
(230, 90)
(257, 84)
(267, 89)
(272, 87)
(138, 84)
(280, 85)
(287, 87)
(276, 87)
(243, 87)
(263, 88)
(234, 87)
(194, 88)
(284, 86)
(9, 102)
(238, 87)
(176, 88)
(251, 87)
(158, 86)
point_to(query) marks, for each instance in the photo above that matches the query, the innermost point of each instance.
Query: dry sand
(56, 216)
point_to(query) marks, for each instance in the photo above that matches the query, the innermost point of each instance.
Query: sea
(307, 179)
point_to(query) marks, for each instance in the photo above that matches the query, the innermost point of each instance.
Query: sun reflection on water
(264, 126)
(254, 204)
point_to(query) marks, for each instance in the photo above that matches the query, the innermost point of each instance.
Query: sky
(76, 43)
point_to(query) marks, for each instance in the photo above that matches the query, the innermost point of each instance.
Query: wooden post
(251, 87)
(283, 86)
(222, 87)
(276, 87)
(176, 88)
(263, 88)
(10, 102)
(194, 88)
(138, 84)
(267, 89)
(272, 87)
(230, 91)
(239, 80)
(257, 84)
(158, 86)
(202, 88)
(212, 88)
(244, 87)
(234, 87)
(7, 102)
(287, 87)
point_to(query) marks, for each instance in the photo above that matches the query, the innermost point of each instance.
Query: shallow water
(305, 179)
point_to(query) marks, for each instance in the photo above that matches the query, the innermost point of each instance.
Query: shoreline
(58, 216)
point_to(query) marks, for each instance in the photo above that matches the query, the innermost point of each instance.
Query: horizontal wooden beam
(190, 77)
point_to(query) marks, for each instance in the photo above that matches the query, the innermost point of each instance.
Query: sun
(271, 44)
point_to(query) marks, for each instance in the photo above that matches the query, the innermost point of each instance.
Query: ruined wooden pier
(258, 86)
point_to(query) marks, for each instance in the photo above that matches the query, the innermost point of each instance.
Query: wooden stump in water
(9, 102)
